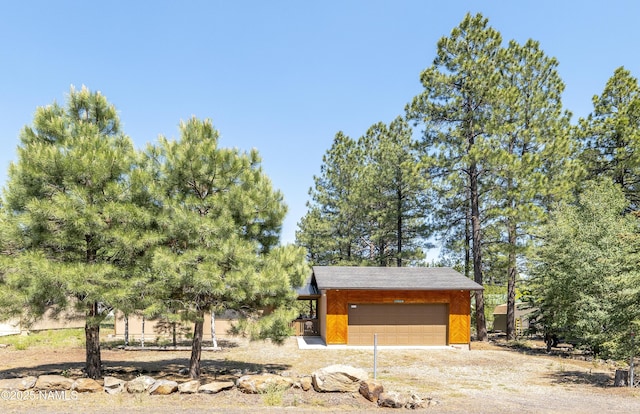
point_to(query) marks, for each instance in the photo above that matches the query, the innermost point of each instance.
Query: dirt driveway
(487, 379)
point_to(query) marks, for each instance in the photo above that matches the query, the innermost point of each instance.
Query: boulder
(189, 387)
(18, 384)
(391, 400)
(53, 383)
(371, 390)
(113, 385)
(305, 383)
(415, 402)
(86, 385)
(216, 386)
(163, 387)
(254, 384)
(140, 384)
(338, 378)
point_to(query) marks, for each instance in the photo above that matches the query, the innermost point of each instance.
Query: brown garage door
(398, 324)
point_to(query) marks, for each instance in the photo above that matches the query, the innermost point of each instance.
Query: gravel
(487, 379)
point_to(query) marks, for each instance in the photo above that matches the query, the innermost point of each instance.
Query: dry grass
(488, 378)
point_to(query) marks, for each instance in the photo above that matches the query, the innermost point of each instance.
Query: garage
(398, 324)
(405, 306)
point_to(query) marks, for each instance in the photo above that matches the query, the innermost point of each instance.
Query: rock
(183, 371)
(338, 378)
(371, 390)
(140, 384)
(163, 387)
(113, 385)
(53, 383)
(189, 387)
(254, 384)
(18, 384)
(415, 402)
(391, 400)
(86, 385)
(74, 373)
(216, 386)
(306, 383)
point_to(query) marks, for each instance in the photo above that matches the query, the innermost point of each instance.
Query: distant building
(159, 328)
(64, 320)
(521, 316)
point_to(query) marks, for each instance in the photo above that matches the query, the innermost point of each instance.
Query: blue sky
(280, 76)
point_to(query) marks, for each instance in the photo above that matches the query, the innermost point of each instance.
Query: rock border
(334, 378)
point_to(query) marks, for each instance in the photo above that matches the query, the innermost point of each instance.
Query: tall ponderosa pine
(368, 205)
(393, 194)
(456, 108)
(530, 144)
(330, 231)
(70, 201)
(221, 219)
(611, 135)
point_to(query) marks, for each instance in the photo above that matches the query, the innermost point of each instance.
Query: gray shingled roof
(391, 278)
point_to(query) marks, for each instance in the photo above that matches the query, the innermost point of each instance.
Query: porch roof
(308, 290)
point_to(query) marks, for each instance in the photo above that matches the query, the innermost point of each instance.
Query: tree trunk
(142, 333)
(511, 282)
(126, 330)
(214, 340)
(196, 346)
(173, 332)
(467, 238)
(621, 378)
(399, 228)
(476, 234)
(93, 362)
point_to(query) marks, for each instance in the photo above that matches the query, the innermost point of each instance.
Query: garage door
(398, 324)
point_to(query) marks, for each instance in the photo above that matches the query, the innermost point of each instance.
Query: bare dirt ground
(488, 379)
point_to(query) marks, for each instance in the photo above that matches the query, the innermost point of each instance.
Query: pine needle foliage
(77, 233)
(220, 218)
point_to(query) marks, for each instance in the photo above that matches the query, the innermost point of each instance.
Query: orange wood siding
(339, 300)
(336, 317)
(459, 318)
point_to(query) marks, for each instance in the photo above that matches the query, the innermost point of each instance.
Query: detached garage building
(402, 305)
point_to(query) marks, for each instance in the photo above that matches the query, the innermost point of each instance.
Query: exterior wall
(65, 320)
(152, 330)
(338, 301)
(322, 315)
(459, 317)
(11, 327)
(500, 318)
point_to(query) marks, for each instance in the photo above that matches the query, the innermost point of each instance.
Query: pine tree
(368, 205)
(393, 194)
(332, 229)
(611, 134)
(531, 139)
(73, 210)
(456, 107)
(221, 220)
